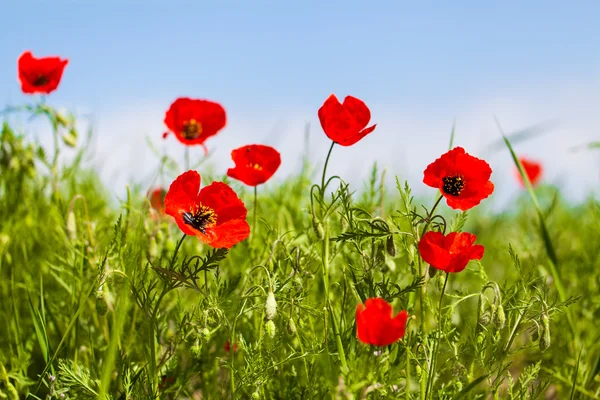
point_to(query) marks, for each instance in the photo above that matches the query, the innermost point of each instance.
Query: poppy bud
(379, 254)
(196, 349)
(270, 328)
(71, 226)
(101, 304)
(390, 246)
(485, 318)
(419, 370)
(318, 228)
(270, 306)
(499, 317)
(291, 326)
(170, 245)
(255, 395)
(159, 236)
(545, 340)
(152, 247)
(70, 138)
(432, 271)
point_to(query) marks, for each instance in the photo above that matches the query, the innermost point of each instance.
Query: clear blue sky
(276, 56)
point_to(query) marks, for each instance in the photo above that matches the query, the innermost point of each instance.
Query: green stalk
(325, 169)
(436, 345)
(254, 209)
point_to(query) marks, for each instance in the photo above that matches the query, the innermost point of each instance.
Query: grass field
(98, 301)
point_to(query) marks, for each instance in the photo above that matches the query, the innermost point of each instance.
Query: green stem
(232, 350)
(254, 209)
(407, 389)
(187, 158)
(431, 214)
(325, 169)
(436, 345)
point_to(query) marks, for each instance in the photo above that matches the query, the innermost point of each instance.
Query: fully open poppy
(375, 324)
(464, 180)
(214, 214)
(157, 200)
(254, 164)
(345, 123)
(450, 253)
(39, 75)
(532, 168)
(194, 120)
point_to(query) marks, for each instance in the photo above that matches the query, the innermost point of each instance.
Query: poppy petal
(359, 110)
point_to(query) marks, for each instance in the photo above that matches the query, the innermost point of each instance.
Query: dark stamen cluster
(453, 185)
(40, 81)
(201, 219)
(191, 129)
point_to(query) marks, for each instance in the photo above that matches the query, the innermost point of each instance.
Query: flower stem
(436, 344)
(325, 169)
(431, 214)
(254, 209)
(187, 158)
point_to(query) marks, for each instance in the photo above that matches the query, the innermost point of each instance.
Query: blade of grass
(452, 135)
(550, 251)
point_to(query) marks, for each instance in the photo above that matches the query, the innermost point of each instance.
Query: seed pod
(270, 328)
(499, 317)
(71, 226)
(318, 228)
(390, 246)
(101, 303)
(270, 306)
(545, 340)
(291, 326)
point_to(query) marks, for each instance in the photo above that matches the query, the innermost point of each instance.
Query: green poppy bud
(101, 303)
(390, 246)
(432, 272)
(270, 306)
(545, 340)
(291, 326)
(499, 317)
(70, 138)
(485, 318)
(270, 328)
(71, 226)
(318, 228)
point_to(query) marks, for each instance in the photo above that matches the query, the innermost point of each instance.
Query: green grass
(103, 301)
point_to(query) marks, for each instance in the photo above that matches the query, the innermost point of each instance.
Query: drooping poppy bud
(270, 306)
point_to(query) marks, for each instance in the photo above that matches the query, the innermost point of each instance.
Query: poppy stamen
(203, 218)
(40, 81)
(453, 185)
(191, 129)
(255, 166)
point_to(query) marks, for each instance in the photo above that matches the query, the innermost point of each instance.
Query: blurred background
(419, 67)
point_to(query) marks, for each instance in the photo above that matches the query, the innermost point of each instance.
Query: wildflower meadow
(218, 286)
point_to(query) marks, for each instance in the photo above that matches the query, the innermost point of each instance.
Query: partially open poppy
(533, 169)
(214, 214)
(40, 75)
(254, 164)
(345, 123)
(194, 120)
(157, 200)
(450, 253)
(375, 324)
(464, 180)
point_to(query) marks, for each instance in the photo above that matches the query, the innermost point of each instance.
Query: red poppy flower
(375, 324)
(157, 200)
(464, 180)
(215, 214)
(40, 75)
(533, 169)
(193, 121)
(450, 253)
(345, 123)
(254, 164)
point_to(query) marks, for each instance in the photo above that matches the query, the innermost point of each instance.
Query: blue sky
(418, 65)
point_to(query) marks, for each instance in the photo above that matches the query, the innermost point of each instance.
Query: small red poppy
(464, 180)
(193, 120)
(450, 253)
(345, 123)
(157, 200)
(214, 214)
(375, 324)
(40, 75)
(533, 169)
(227, 347)
(254, 164)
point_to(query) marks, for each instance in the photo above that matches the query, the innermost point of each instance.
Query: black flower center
(201, 219)
(453, 185)
(40, 81)
(191, 129)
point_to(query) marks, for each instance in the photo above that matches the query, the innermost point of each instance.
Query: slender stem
(431, 214)
(187, 158)
(407, 389)
(436, 344)
(254, 210)
(325, 169)
(232, 350)
(54, 168)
